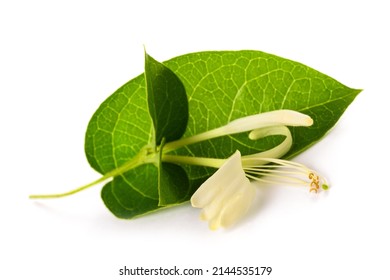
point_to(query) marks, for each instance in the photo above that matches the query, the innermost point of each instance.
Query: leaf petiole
(146, 155)
(59, 195)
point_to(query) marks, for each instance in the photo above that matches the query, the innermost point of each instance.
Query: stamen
(286, 172)
(272, 178)
(315, 181)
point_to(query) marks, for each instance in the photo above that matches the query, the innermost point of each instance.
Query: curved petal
(238, 205)
(267, 119)
(216, 184)
(272, 118)
(215, 206)
(226, 195)
(231, 208)
(276, 152)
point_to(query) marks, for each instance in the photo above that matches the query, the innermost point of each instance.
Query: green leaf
(168, 108)
(150, 184)
(167, 101)
(221, 87)
(115, 192)
(230, 85)
(120, 128)
(173, 184)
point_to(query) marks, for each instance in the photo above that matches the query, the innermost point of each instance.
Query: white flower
(255, 123)
(226, 196)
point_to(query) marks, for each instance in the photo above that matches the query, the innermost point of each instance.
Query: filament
(284, 171)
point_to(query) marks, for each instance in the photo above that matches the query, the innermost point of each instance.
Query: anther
(315, 182)
(313, 190)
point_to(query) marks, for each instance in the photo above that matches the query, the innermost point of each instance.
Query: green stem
(144, 156)
(58, 195)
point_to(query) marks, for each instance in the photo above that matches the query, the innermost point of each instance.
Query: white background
(60, 59)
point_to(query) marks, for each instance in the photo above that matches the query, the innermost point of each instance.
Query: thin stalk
(141, 158)
(59, 195)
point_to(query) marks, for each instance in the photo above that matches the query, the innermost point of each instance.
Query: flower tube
(249, 123)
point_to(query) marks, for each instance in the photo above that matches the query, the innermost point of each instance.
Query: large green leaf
(221, 87)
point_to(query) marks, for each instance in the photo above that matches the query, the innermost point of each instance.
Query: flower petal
(214, 185)
(226, 196)
(276, 152)
(238, 205)
(213, 208)
(248, 123)
(233, 207)
(272, 118)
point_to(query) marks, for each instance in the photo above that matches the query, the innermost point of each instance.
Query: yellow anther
(313, 190)
(315, 182)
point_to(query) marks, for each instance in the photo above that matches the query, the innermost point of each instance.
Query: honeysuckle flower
(254, 123)
(226, 196)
